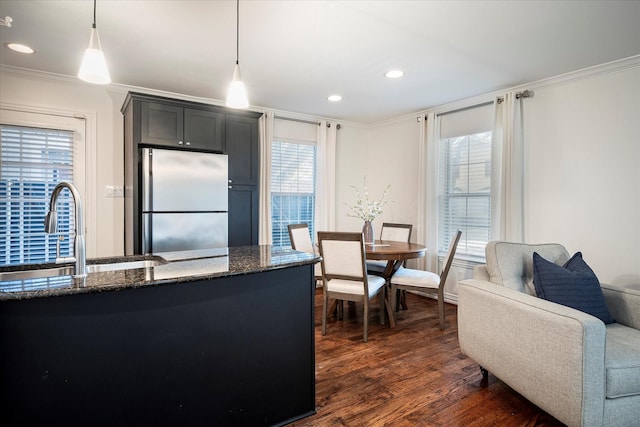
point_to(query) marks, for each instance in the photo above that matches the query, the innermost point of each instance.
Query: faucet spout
(51, 226)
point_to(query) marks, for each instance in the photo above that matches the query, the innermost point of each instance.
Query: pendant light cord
(94, 13)
(237, 30)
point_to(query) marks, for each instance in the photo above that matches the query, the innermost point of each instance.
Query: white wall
(386, 155)
(351, 167)
(107, 231)
(582, 187)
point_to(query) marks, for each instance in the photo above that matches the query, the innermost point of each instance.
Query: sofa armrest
(624, 304)
(551, 354)
(480, 272)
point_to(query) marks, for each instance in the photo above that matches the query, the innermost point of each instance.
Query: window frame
(83, 124)
(279, 226)
(446, 196)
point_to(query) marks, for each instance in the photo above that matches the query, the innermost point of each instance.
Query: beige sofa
(563, 360)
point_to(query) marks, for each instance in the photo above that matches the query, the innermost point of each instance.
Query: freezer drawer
(167, 232)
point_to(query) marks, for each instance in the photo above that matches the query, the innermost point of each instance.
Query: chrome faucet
(51, 226)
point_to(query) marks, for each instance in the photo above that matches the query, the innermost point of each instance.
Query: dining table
(395, 253)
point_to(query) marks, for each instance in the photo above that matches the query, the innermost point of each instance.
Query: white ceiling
(293, 54)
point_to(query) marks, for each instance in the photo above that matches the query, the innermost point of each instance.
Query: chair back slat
(343, 255)
(396, 232)
(342, 259)
(300, 238)
(449, 259)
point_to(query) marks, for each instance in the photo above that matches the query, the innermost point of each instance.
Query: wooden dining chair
(408, 279)
(301, 241)
(390, 231)
(344, 274)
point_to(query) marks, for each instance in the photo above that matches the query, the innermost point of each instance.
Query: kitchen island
(199, 339)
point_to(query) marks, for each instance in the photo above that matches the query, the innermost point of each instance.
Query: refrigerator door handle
(146, 234)
(146, 179)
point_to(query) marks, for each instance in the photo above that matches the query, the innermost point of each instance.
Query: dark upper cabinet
(161, 124)
(203, 130)
(165, 122)
(175, 126)
(241, 137)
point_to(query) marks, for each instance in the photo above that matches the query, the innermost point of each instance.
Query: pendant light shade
(237, 95)
(93, 68)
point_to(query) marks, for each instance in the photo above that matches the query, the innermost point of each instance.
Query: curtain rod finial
(525, 94)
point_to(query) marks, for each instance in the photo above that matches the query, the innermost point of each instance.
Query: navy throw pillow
(574, 284)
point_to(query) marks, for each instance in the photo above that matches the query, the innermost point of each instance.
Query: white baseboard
(448, 297)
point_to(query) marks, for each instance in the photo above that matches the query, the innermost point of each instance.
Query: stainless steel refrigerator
(184, 200)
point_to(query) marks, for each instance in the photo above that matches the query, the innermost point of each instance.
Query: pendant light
(94, 68)
(237, 95)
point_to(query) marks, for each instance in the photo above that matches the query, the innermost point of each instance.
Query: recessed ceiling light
(335, 98)
(394, 74)
(22, 48)
(6, 22)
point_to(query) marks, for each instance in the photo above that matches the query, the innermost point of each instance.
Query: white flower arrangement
(365, 209)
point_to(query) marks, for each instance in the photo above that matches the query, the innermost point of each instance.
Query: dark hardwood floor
(413, 375)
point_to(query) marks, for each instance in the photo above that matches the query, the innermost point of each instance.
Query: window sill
(471, 259)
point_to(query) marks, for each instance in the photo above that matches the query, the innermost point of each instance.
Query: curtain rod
(297, 120)
(465, 108)
(524, 94)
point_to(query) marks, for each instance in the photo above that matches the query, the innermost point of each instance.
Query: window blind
(295, 130)
(468, 121)
(293, 183)
(33, 161)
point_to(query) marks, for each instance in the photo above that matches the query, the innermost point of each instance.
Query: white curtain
(266, 124)
(507, 171)
(427, 227)
(498, 138)
(325, 219)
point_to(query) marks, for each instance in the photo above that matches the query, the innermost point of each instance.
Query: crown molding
(121, 88)
(585, 73)
(394, 120)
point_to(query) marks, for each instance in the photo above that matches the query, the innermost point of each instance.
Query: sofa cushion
(622, 361)
(511, 264)
(574, 284)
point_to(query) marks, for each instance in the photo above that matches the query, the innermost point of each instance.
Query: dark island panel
(236, 350)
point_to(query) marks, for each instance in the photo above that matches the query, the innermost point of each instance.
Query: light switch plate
(114, 191)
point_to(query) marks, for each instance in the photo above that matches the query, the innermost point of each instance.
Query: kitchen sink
(68, 270)
(36, 274)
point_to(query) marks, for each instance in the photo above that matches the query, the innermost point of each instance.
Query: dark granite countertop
(176, 268)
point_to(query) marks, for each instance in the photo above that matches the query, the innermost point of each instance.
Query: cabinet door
(242, 147)
(243, 215)
(203, 130)
(162, 124)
